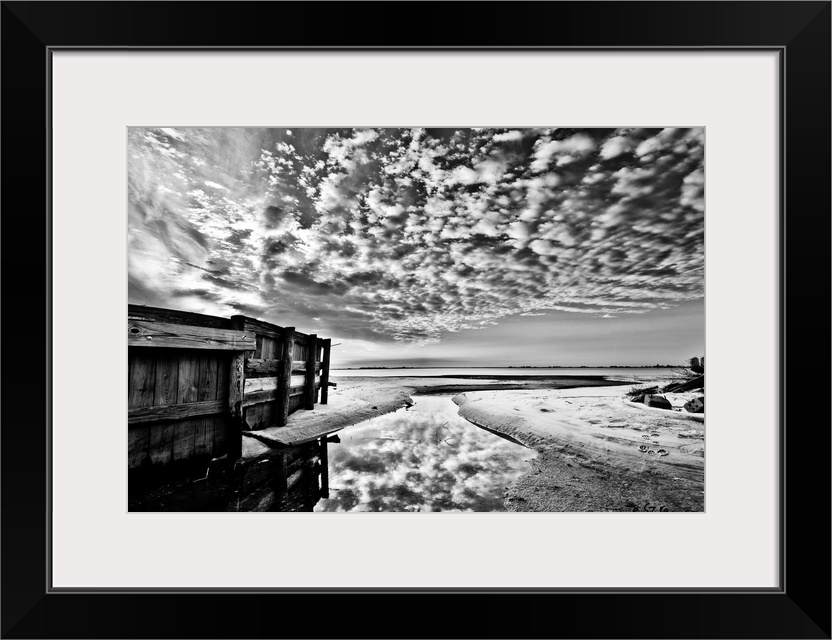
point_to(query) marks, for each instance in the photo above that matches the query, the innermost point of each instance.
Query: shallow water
(616, 372)
(423, 458)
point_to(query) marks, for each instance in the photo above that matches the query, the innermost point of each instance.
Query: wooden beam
(299, 366)
(156, 314)
(169, 412)
(295, 435)
(261, 328)
(311, 358)
(236, 395)
(141, 333)
(324, 465)
(260, 384)
(260, 365)
(325, 372)
(257, 397)
(285, 382)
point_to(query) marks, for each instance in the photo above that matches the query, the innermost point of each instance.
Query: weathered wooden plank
(260, 416)
(258, 365)
(188, 381)
(311, 357)
(173, 412)
(221, 437)
(223, 366)
(287, 348)
(138, 442)
(301, 389)
(207, 381)
(295, 403)
(261, 328)
(167, 377)
(204, 435)
(299, 353)
(298, 434)
(268, 348)
(184, 432)
(324, 382)
(155, 314)
(141, 333)
(297, 381)
(141, 379)
(257, 397)
(160, 447)
(260, 384)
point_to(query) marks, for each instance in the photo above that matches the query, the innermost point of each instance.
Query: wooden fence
(195, 382)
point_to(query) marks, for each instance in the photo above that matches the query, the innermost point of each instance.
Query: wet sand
(585, 432)
(588, 442)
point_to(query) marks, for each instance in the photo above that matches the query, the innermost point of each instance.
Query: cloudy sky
(431, 246)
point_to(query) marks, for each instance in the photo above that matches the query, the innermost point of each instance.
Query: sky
(430, 247)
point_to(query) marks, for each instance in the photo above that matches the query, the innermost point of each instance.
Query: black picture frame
(799, 31)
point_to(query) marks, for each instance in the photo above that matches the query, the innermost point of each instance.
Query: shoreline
(587, 444)
(359, 398)
(585, 437)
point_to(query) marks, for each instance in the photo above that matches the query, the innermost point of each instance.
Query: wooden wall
(193, 385)
(187, 373)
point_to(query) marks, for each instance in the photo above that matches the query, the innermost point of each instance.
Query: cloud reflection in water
(426, 458)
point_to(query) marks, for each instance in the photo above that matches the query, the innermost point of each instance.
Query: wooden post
(325, 371)
(236, 393)
(324, 468)
(311, 358)
(284, 383)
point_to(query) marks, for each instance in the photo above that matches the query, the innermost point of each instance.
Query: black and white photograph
(416, 319)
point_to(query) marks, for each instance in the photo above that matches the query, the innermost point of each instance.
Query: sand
(586, 438)
(588, 442)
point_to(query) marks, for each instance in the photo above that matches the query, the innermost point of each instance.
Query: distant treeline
(583, 366)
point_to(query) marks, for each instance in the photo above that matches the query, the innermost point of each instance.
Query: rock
(695, 405)
(691, 433)
(660, 402)
(689, 385)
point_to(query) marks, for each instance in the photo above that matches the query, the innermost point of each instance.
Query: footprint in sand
(642, 448)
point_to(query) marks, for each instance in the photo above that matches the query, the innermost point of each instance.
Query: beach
(585, 432)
